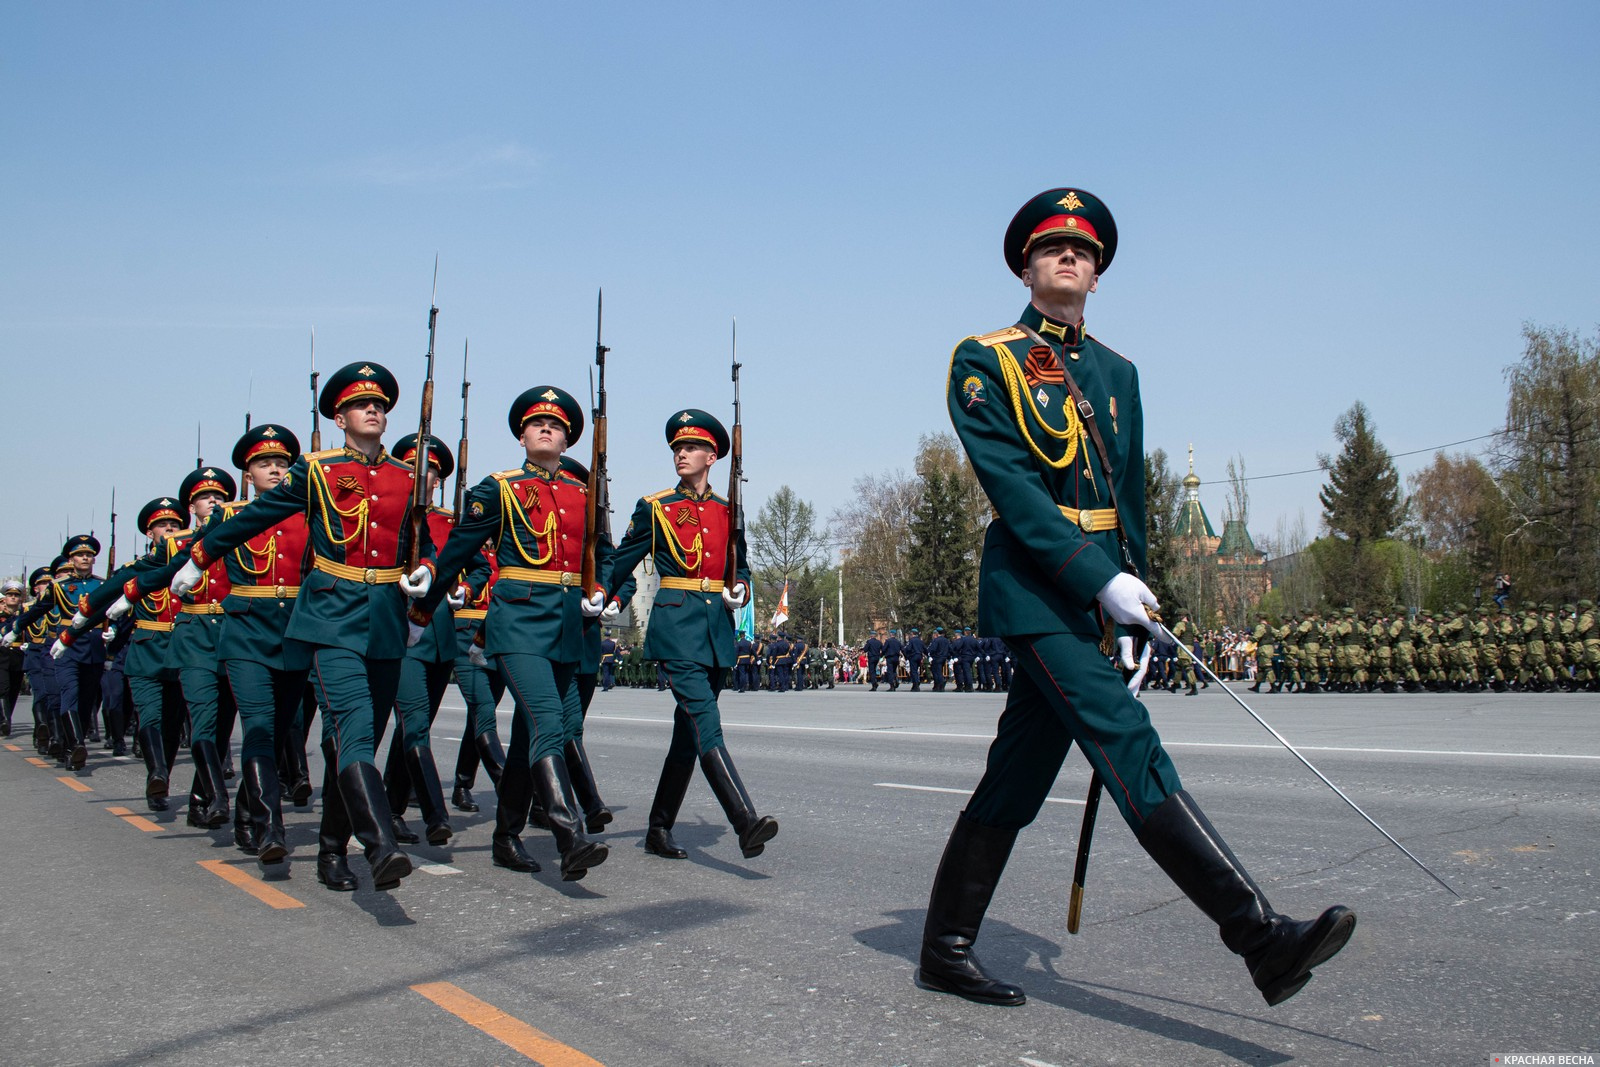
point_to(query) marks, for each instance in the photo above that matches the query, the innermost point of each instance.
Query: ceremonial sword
(1296, 753)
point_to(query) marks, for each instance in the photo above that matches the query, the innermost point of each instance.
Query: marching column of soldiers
(327, 593)
(1535, 648)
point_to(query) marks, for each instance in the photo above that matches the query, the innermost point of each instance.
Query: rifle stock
(597, 518)
(461, 446)
(419, 486)
(735, 475)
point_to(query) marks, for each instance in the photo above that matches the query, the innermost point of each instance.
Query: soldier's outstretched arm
(635, 547)
(479, 522)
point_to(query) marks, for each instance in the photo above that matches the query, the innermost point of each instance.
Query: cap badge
(548, 394)
(269, 432)
(685, 417)
(209, 473)
(1071, 201)
(366, 371)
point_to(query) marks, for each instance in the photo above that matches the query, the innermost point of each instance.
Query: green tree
(784, 543)
(1548, 465)
(1161, 504)
(941, 564)
(1361, 501)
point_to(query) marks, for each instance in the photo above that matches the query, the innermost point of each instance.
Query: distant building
(1231, 565)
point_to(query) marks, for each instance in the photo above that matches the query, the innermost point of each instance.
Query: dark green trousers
(208, 694)
(696, 721)
(481, 689)
(548, 709)
(350, 688)
(422, 686)
(268, 700)
(1065, 691)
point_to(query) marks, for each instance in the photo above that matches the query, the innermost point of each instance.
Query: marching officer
(608, 661)
(891, 659)
(1027, 401)
(939, 656)
(10, 658)
(966, 653)
(686, 530)
(352, 605)
(481, 687)
(874, 650)
(534, 633)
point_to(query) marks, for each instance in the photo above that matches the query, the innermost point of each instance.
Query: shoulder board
(326, 453)
(1107, 347)
(503, 475)
(233, 505)
(568, 476)
(1010, 333)
(719, 498)
(664, 493)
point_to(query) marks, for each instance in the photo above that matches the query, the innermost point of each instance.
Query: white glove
(416, 584)
(457, 599)
(594, 605)
(613, 609)
(8, 640)
(477, 658)
(78, 619)
(1125, 599)
(1125, 653)
(187, 578)
(1137, 681)
(736, 596)
(414, 633)
(58, 649)
(119, 609)
(111, 634)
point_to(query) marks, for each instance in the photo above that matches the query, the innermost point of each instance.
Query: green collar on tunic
(1068, 334)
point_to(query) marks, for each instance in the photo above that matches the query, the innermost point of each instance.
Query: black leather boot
(671, 787)
(74, 752)
(246, 832)
(361, 785)
(156, 774)
(510, 818)
(754, 830)
(554, 790)
(296, 781)
(333, 834)
(466, 776)
(266, 808)
(584, 790)
(974, 858)
(1279, 951)
(491, 755)
(208, 770)
(397, 788)
(430, 794)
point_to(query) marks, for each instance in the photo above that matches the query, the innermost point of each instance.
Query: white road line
(963, 792)
(892, 732)
(437, 868)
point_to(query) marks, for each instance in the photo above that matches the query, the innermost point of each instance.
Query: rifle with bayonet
(316, 415)
(419, 487)
(735, 476)
(598, 519)
(461, 447)
(111, 557)
(244, 482)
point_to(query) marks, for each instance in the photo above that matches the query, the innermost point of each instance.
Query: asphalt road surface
(129, 942)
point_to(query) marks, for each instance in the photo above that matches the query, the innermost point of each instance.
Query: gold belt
(365, 575)
(151, 624)
(695, 585)
(529, 574)
(281, 592)
(201, 609)
(1093, 520)
(472, 613)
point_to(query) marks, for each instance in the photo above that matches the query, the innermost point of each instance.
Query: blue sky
(1317, 204)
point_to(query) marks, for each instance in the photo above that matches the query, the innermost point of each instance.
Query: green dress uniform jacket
(357, 512)
(264, 578)
(686, 537)
(1053, 545)
(536, 522)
